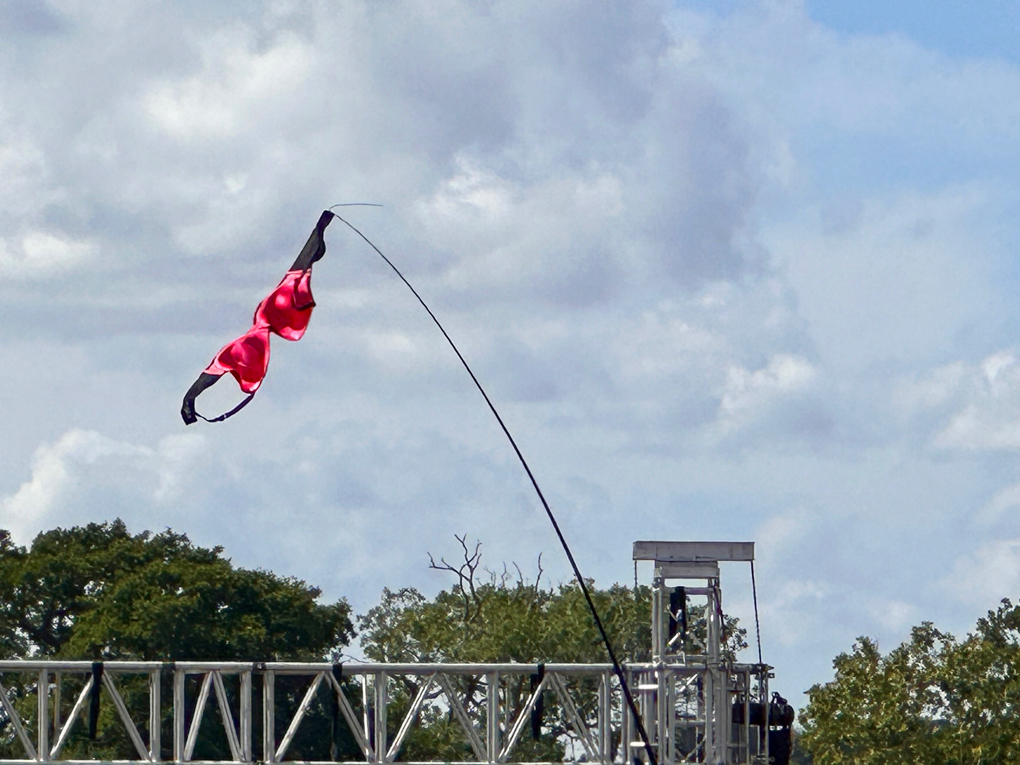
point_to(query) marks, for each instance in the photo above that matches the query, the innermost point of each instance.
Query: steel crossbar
(493, 721)
(688, 704)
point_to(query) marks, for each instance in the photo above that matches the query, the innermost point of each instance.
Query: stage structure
(701, 707)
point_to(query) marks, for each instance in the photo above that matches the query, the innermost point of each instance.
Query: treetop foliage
(487, 616)
(99, 592)
(933, 699)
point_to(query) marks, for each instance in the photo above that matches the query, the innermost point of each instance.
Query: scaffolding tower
(696, 705)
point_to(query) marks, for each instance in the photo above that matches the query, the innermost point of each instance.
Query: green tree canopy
(494, 617)
(933, 699)
(487, 616)
(99, 592)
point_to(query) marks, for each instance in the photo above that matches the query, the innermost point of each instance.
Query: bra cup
(247, 359)
(285, 312)
(288, 308)
(303, 291)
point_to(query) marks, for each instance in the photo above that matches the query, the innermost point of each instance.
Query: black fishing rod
(617, 668)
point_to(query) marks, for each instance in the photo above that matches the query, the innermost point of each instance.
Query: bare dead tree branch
(465, 585)
(520, 574)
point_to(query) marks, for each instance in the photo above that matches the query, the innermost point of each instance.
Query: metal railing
(593, 725)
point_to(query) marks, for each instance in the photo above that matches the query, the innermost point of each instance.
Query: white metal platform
(686, 702)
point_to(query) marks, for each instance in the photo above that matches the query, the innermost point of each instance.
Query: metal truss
(672, 699)
(695, 708)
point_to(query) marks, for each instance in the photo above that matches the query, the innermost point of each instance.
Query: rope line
(617, 669)
(757, 628)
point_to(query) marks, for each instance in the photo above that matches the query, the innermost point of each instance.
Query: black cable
(757, 628)
(570, 556)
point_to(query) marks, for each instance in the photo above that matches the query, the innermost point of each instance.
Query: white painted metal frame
(685, 701)
(722, 683)
(42, 750)
(493, 731)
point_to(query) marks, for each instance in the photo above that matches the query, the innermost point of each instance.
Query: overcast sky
(730, 270)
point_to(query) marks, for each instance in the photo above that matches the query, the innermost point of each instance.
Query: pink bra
(285, 312)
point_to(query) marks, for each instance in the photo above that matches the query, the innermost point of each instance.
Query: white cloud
(987, 575)
(666, 244)
(23, 170)
(660, 345)
(933, 390)
(56, 473)
(1003, 501)
(177, 455)
(893, 615)
(991, 419)
(236, 85)
(979, 428)
(541, 237)
(778, 536)
(748, 394)
(42, 255)
(84, 469)
(791, 613)
(890, 280)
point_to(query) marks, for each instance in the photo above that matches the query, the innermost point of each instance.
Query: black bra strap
(206, 380)
(231, 413)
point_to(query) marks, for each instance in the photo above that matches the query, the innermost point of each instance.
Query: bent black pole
(652, 759)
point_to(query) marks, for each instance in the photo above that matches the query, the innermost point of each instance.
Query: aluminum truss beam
(688, 703)
(588, 695)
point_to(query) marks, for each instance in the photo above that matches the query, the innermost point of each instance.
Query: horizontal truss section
(595, 726)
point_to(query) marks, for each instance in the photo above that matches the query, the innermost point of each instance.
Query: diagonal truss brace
(522, 718)
(405, 726)
(125, 717)
(576, 719)
(462, 717)
(306, 702)
(65, 731)
(228, 718)
(196, 718)
(240, 746)
(16, 722)
(360, 734)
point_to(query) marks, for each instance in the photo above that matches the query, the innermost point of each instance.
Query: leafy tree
(502, 617)
(933, 699)
(98, 592)
(496, 617)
